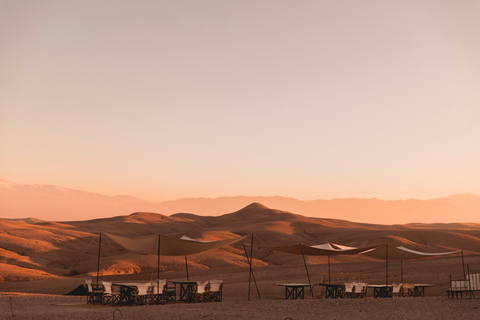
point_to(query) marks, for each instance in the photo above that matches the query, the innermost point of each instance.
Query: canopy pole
(328, 269)
(463, 267)
(386, 265)
(308, 275)
(98, 260)
(401, 266)
(186, 267)
(252, 275)
(158, 265)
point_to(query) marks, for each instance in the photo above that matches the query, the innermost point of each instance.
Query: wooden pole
(252, 275)
(386, 265)
(158, 265)
(328, 269)
(463, 268)
(308, 275)
(402, 269)
(186, 267)
(98, 260)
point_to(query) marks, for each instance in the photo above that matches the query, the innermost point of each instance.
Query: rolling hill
(52, 203)
(43, 249)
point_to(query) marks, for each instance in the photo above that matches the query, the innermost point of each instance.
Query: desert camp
(108, 270)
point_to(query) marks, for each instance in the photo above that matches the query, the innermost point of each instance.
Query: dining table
(127, 292)
(381, 290)
(187, 290)
(332, 290)
(294, 290)
(419, 289)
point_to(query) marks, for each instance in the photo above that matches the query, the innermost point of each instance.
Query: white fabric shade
(326, 249)
(169, 246)
(400, 253)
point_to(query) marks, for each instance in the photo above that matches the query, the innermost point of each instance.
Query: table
(187, 290)
(333, 291)
(381, 290)
(294, 290)
(127, 292)
(420, 289)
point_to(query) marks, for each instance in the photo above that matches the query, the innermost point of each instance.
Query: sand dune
(51, 249)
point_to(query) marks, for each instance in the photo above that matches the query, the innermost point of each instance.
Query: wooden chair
(201, 293)
(360, 290)
(94, 292)
(143, 293)
(170, 292)
(214, 292)
(397, 290)
(408, 290)
(349, 290)
(111, 294)
(158, 291)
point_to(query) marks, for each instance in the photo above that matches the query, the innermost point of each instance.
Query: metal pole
(98, 260)
(308, 275)
(186, 267)
(463, 267)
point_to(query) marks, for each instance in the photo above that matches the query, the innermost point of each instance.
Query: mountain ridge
(47, 202)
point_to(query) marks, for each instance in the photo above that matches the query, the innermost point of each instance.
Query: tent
(164, 245)
(389, 252)
(325, 249)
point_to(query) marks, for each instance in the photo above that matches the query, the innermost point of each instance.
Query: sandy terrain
(34, 306)
(41, 262)
(235, 304)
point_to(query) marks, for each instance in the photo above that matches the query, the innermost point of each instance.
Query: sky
(165, 100)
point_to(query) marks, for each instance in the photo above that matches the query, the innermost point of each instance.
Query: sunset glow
(165, 100)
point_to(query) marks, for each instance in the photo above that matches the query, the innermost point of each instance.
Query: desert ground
(46, 299)
(41, 261)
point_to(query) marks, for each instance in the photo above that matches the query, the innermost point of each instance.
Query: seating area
(403, 290)
(467, 287)
(355, 290)
(155, 292)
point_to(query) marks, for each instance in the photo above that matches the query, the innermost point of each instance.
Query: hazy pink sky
(307, 99)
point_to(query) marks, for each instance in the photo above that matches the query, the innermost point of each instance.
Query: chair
(214, 292)
(360, 290)
(158, 291)
(94, 292)
(143, 293)
(408, 290)
(397, 290)
(349, 290)
(169, 292)
(111, 294)
(201, 293)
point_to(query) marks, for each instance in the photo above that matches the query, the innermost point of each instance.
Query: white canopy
(400, 253)
(326, 249)
(169, 246)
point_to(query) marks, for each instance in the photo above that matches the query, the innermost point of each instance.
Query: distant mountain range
(53, 203)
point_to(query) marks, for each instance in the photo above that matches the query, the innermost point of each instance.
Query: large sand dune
(41, 261)
(46, 250)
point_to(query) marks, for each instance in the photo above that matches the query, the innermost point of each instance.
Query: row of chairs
(139, 293)
(149, 292)
(355, 290)
(210, 290)
(403, 290)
